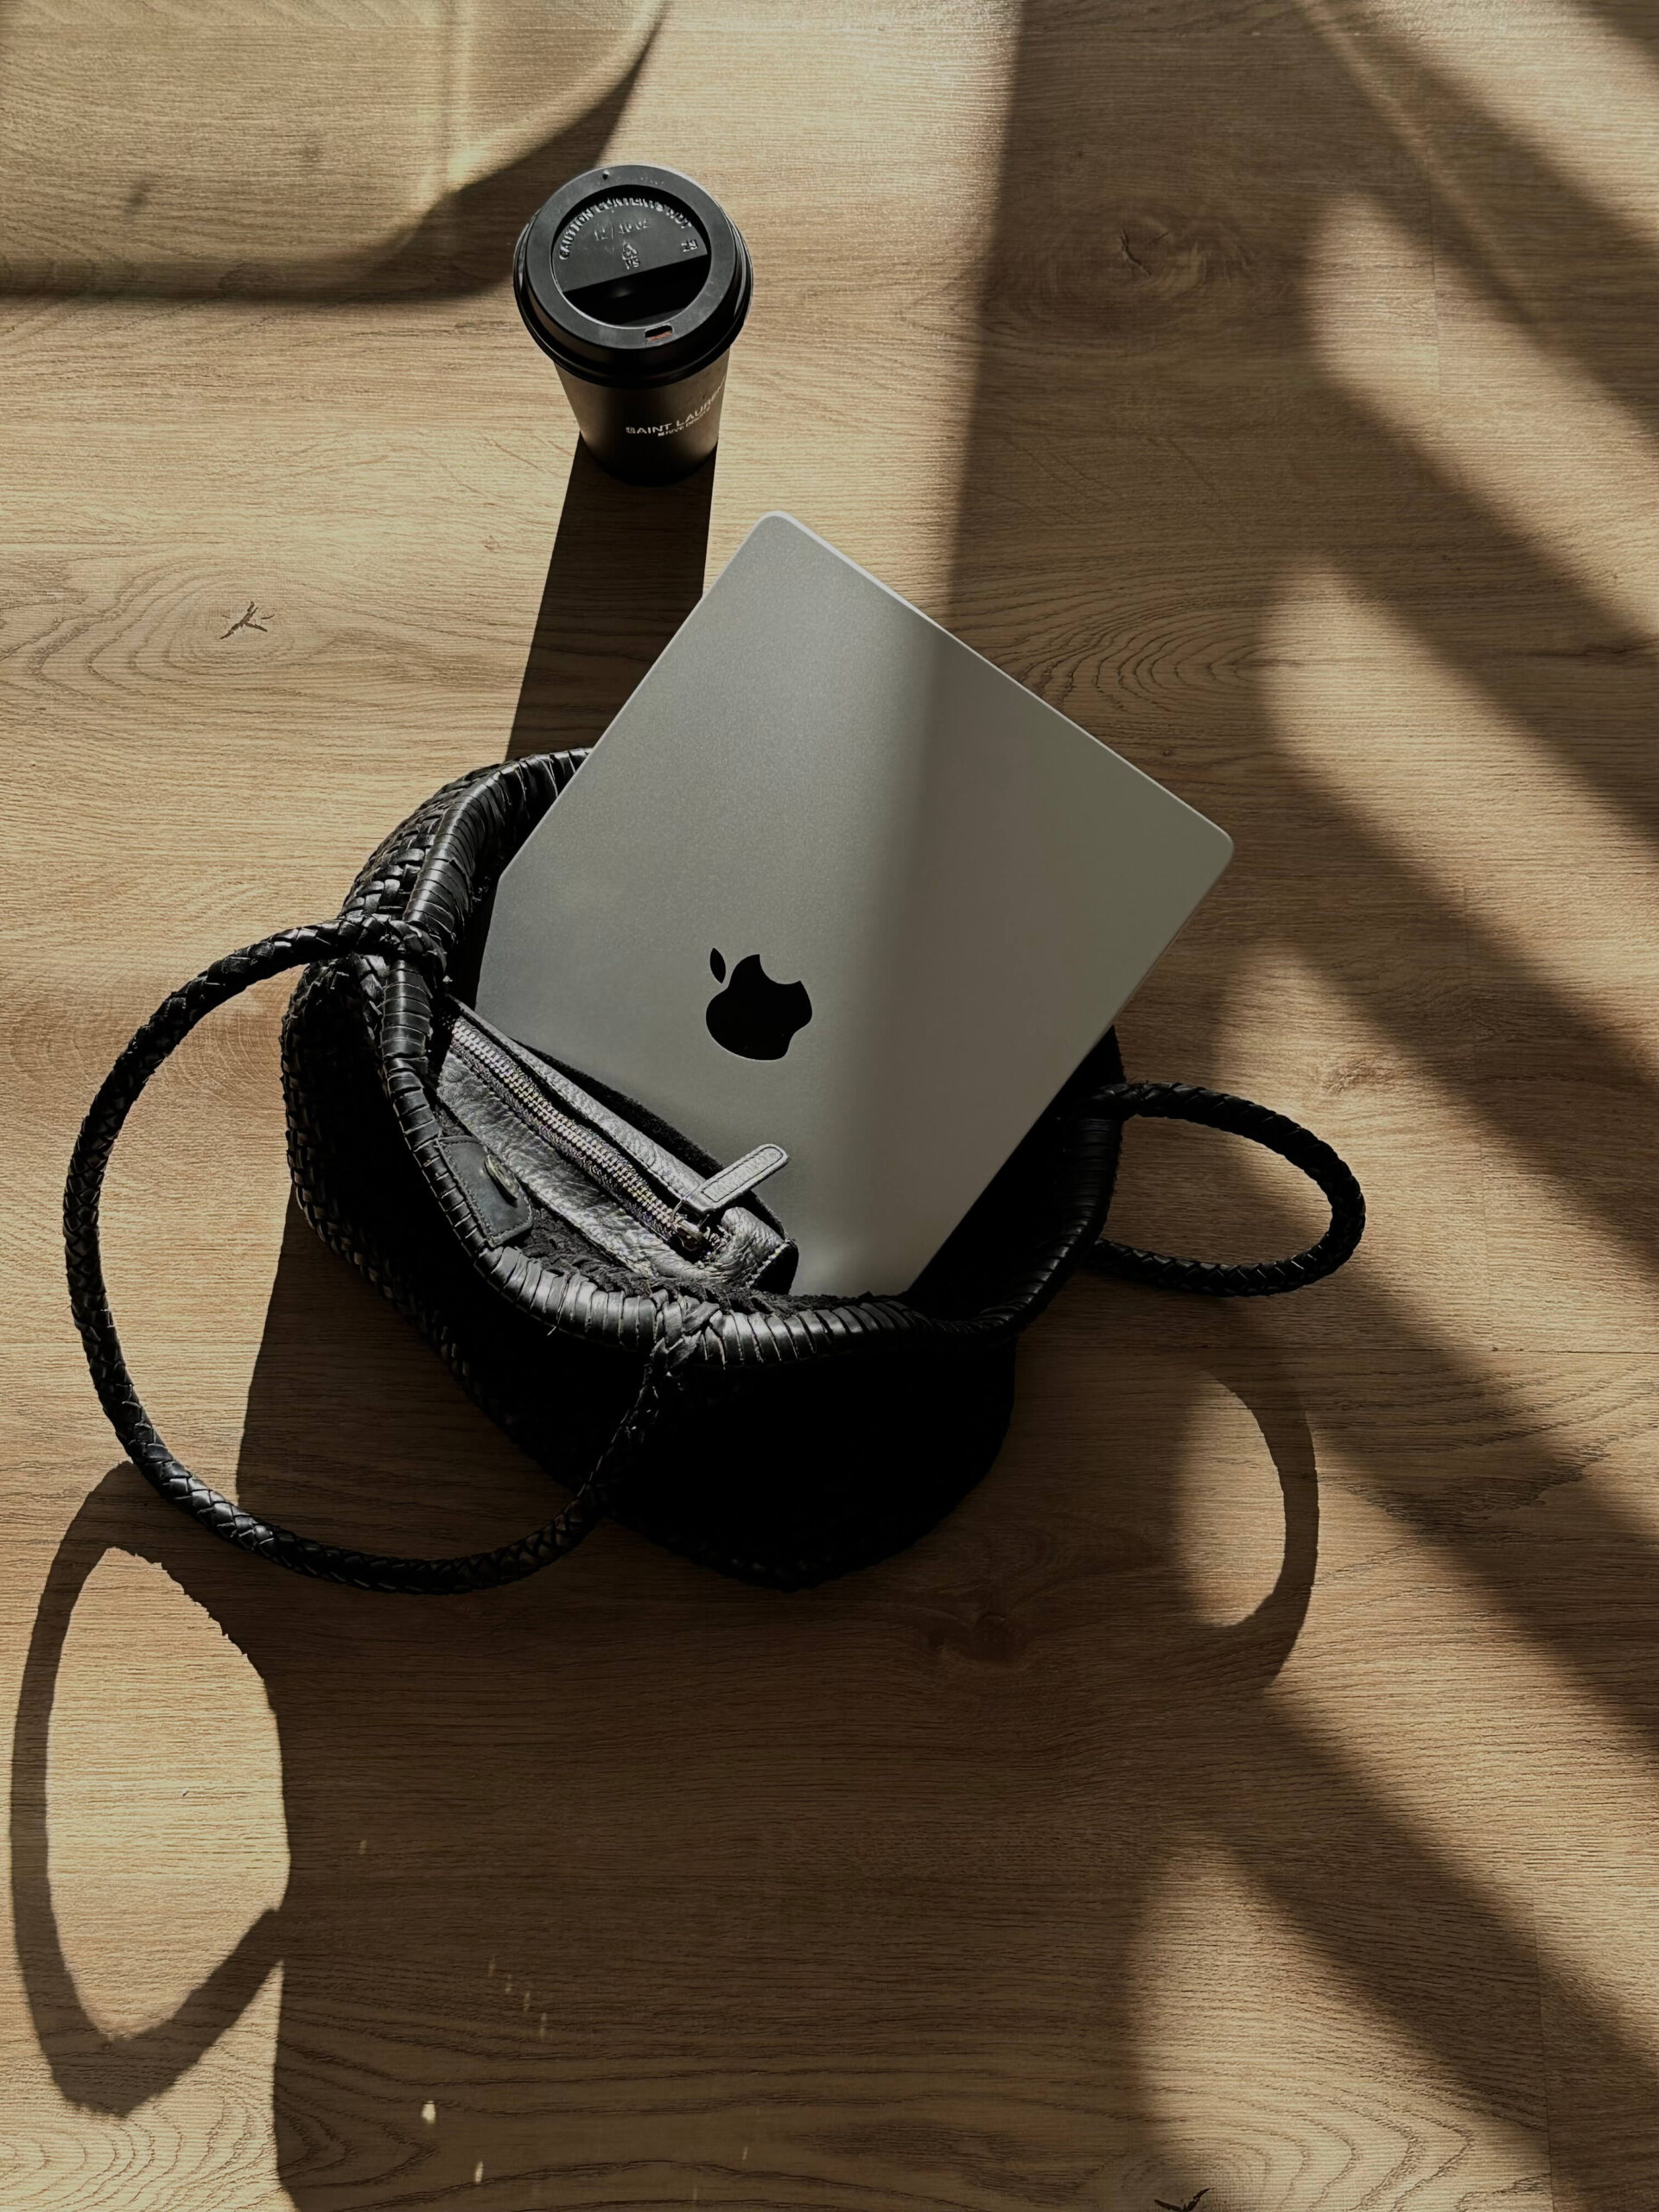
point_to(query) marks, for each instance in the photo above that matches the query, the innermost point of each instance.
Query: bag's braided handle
(172, 1021)
(1214, 1110)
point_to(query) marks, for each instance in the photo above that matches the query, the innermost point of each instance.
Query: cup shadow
(626, 568)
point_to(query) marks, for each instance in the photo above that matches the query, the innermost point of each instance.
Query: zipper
(594, 1155)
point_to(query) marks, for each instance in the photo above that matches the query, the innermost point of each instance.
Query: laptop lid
(831, 880)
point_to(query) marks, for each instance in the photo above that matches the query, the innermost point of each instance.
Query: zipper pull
(730, 1183)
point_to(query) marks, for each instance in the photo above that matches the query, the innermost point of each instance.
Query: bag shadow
(628, 1864)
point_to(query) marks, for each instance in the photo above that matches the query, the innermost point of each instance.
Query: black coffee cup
(636, 283)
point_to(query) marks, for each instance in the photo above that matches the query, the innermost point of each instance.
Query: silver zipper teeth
(571, 1136)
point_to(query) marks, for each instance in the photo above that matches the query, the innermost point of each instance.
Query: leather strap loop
(412, 950)
(1215, 1109)
(172, 1021)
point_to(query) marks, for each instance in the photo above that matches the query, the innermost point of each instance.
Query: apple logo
(754, 1016)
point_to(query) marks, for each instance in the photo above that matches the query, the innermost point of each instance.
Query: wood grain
(1252, 1790)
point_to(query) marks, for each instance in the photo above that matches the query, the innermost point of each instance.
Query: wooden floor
(1252, 1794)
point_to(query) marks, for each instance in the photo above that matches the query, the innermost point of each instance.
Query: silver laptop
(831, 880)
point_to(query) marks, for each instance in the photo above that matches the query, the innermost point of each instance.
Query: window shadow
(1159, 447)
(138, 201)
(624, 1842)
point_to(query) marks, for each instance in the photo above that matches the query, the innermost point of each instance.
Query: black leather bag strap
(1215, 1109)
(89, 1299)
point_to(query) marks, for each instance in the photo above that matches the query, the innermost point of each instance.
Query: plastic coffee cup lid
(632, 275)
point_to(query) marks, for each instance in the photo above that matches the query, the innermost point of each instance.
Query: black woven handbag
(609, 1294)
